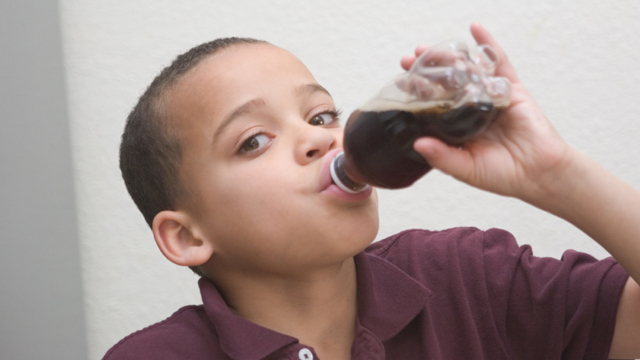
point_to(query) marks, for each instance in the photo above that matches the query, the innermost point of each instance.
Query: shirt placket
(366, 346)
(295, 352)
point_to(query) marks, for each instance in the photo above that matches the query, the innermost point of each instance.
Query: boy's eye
(323, 119)
(254, 143)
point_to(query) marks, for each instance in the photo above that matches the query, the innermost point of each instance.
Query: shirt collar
(388, 299)
(239, 338)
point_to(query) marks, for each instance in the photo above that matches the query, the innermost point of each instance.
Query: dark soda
(378, 145)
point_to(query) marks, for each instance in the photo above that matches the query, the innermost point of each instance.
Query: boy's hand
(520, 155)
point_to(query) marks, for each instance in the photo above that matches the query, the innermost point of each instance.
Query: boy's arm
(523, 156)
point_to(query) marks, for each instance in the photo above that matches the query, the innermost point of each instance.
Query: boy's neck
(319, 309)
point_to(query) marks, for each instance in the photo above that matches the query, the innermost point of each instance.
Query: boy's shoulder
(429, 243)
(188, 329)
(434, 258)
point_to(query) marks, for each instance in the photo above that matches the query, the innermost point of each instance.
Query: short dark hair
(151, 152)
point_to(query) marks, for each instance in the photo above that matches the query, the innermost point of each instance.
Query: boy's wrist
(601, 205)
(565, 186)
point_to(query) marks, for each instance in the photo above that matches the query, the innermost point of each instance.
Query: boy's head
(150, 152)
(226, 155)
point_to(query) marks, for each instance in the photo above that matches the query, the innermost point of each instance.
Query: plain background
(578, 58)
(41, 302)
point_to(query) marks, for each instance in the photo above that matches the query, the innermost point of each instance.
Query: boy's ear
(178, 240)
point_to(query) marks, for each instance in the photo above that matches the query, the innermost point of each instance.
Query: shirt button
(305, 354)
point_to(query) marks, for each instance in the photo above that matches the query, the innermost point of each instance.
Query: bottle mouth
(340, 177)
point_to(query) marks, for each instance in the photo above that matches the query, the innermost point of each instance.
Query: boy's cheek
(338, 133)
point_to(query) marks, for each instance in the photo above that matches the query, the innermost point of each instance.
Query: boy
(227, 156)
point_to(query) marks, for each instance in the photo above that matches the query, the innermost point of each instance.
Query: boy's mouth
(325, 172)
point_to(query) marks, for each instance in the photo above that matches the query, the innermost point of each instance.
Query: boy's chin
(363, 235)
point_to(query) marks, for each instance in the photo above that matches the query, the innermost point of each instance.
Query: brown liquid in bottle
(378, 145)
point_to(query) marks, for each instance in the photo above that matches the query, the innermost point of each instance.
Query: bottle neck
(345, 176)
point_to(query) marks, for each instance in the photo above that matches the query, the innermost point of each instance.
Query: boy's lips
(325, 171)
(329, 187)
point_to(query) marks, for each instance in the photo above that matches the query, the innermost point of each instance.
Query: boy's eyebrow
(251, 105)
(245, 108)
(307, 89)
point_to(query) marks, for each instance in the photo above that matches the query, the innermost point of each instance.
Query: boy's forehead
(210, 92)
(237, 74)
(247, 63)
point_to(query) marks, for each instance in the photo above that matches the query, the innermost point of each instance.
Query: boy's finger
(449, 160)
(407, 61)
(483, 37)
(420, 49)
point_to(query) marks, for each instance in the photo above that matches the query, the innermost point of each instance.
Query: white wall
(578, 58)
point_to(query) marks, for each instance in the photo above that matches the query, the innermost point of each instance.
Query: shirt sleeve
(494, 297)
(565, 306)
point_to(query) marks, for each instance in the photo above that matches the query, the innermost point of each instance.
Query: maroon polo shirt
(455, 294)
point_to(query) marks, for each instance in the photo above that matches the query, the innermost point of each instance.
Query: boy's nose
(313, 143)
